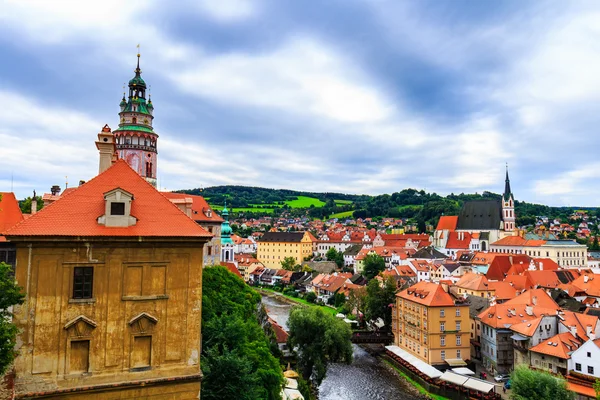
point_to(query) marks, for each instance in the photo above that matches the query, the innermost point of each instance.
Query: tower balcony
(136, 147)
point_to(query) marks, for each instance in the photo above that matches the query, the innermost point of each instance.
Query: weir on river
(365, 379)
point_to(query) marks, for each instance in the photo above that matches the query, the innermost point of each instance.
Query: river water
(367, 378)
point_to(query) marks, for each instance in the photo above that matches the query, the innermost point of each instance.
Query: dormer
(208, 212)
(117, 211)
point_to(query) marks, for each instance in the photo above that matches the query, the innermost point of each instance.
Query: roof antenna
(66, 182)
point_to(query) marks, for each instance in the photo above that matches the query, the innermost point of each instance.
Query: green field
(344, 214)
(305, 202)
(300, 202)
(342, 202)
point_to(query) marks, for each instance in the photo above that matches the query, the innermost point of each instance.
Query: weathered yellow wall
(414, 321)
(162, 279)
(271, 254)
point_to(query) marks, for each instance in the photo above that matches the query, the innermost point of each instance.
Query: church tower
(508, 206)
(135, 139)
(227, 250)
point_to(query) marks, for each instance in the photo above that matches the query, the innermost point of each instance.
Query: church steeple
(508, 206)
(135, 138)
(507, 191)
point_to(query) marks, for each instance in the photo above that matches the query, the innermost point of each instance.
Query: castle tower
(227, 250)
(508, 206)
(135, 139)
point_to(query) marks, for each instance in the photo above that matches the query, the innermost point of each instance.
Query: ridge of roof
(76, 214)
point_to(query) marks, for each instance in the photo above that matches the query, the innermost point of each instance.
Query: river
(367, 378)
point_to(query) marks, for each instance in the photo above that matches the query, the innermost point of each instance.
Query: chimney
(541, 266)
(573, 330)
(586, 279)
(529, 310)
(55, 190)
(534, 300)
(588, 331)
(33, 203)
(106, 147)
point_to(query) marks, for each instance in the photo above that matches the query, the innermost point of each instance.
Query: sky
(352, 96)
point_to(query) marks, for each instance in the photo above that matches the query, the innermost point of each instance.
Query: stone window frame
(78, 329)
(138, 329)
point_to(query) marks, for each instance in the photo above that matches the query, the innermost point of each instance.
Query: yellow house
(112, 274)
(274, 247)
(432, 324)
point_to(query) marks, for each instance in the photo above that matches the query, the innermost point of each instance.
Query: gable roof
(480, 214)
(10, 212)
(561, 345)
(287, 237)
(76, 214)
(472, 281)
(428, 253)
(427, 293)
(447, 222)
(199, 207)
(458, 240)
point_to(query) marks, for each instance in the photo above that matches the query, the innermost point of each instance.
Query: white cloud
(302, 76)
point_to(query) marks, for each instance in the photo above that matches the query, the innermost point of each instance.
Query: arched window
(134, 119)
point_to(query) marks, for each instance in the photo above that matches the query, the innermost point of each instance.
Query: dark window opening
(117, 208)
(83, 278)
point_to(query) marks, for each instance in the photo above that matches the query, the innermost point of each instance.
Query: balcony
(135, 147)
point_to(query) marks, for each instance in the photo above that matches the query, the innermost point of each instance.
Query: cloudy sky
(333, 95)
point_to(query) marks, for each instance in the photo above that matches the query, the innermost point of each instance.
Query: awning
(452, 377)
(479, 385)
(519, 337)
(419, 364)
(455, 362)
(463, 371)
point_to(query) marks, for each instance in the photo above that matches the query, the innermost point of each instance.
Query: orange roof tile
(458, 240)
(447, 222)
(473, 281)
(199, 206)
(502, 290)
(427, 293)
(10, 212)
(581, 389)
(560, 345)
(76, 214)
(232, 268)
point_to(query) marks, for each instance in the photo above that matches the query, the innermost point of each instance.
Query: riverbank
(294, 300)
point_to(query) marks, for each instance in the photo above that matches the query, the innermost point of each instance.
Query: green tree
(336, 256)
(373, 265)
(10, 295)
(597, 388)
(379, 300)
(289, 264)
(529, 384)
(311, 297)
(321, 338)
(234, 341)
(25, 205)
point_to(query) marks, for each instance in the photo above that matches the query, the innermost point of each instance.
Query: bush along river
(367, 378)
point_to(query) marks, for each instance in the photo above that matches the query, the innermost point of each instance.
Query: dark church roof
(480, 214)
(282, 237)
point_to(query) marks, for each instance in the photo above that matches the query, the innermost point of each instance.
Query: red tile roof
(76, 214)
(427, 293)
(560, 346)
(10, 212)
(458, 240)
(447, 222)
(199, 206)
(232, 268)
(472, 281)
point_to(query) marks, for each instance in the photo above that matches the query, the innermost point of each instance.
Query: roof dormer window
(117, 211)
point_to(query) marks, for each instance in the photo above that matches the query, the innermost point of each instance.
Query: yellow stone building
(274, 247)
(113, 279)
(432, 324)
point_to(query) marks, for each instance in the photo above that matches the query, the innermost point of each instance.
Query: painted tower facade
(135, 139)
(227, 248)
(508, 206)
